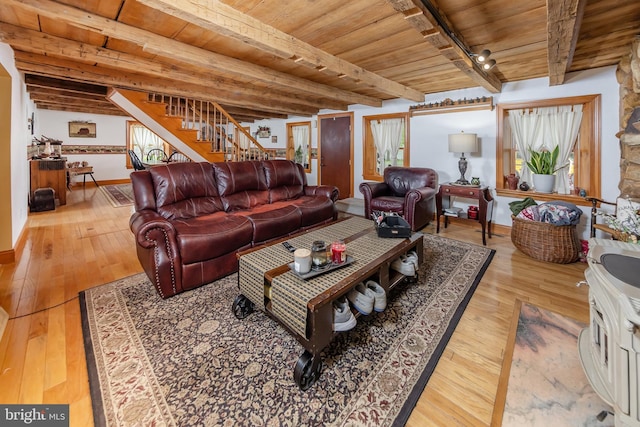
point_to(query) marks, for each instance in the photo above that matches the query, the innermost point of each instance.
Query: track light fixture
(483, 56)
(483, 60)
(489, 64)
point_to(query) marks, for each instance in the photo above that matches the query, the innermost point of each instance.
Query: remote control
(288, 247)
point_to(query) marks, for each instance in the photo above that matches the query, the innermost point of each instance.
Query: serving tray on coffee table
(328, 268)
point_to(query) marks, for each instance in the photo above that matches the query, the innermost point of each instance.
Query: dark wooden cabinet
(50, 173)
(444, 200)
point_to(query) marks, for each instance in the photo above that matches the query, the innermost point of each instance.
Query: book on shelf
(452, 211)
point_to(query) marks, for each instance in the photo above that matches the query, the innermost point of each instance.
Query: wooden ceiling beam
(564, 19)
(64, 85)
(36, 42)
(43, 91)
(223, 19)
(54, 67)
(82, 109)
(178, 51)
(427, 25)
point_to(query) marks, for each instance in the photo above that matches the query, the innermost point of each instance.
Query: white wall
(110, 130)
(21, 108)
(429, 133)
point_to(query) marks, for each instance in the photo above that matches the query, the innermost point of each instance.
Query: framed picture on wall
(82, 130)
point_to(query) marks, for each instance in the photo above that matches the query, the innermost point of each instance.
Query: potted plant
(298, 156)
(543, 166)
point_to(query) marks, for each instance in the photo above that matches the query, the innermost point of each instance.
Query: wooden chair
(135, 161)
(177, 156)
(157, 154)
(595, 202)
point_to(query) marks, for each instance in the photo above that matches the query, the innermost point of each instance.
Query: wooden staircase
(201, 130)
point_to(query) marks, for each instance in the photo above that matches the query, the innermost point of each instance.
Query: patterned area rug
(119, 195)
(188, 361)
(544, 378)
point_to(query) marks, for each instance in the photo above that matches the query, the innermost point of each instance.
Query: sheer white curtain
(526, 128)
(387, 137)
(243, 141)
(545, 128)
(301, 142)
(144, 140)
(562, 130)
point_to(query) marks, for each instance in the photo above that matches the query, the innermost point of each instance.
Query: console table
(485, 205)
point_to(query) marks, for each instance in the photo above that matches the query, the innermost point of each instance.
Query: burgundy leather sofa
(192, 218)
(411, 192)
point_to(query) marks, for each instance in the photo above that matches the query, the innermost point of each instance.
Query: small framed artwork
(82, 130)
(274, 139)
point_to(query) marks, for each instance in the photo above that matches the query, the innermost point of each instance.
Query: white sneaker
(362, 298)
(413, 257)
(343, 318)
(379, 297)
(403, 265)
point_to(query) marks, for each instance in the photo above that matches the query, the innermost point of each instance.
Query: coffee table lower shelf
(309, 365)
(319, 333)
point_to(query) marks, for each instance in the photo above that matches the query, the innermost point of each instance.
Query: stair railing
(215, 126)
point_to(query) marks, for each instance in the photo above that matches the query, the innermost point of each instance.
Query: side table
(485, 205)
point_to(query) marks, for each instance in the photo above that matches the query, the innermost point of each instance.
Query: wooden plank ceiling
(270, 58)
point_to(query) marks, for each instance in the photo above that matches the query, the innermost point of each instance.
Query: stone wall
(628, 76)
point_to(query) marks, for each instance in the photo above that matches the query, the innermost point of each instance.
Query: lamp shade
(463, 143)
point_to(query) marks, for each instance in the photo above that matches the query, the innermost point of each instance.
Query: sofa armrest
(419, 206)
(329, 191)
(374, 189)
(371, 190)
(158, 251)
(416, 195)
(143, 222)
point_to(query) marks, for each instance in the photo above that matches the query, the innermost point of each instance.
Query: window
(386, 143)
(299, 144)
(141, 140)
(584, 161)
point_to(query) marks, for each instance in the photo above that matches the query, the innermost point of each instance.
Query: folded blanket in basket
(556, 213)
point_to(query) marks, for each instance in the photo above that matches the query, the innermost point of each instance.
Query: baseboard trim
(10, 256)
(4, 318)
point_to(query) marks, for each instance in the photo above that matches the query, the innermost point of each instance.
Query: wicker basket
(546, 242)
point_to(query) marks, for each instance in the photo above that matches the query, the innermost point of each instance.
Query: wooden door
(335, 151)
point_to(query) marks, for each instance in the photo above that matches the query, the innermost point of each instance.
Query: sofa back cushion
(402, 179)
(285, 179)
(241, 185)
(185, 190)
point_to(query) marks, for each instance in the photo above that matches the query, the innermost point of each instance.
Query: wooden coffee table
(305, 307)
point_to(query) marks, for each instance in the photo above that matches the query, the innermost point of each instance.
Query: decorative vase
(524, 186)
(544, 183)
(512, 181)
(47, 150)
(475, 181)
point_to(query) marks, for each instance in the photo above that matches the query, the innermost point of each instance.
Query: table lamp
(463, 143)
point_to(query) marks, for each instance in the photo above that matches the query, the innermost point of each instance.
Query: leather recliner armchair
(409, 192)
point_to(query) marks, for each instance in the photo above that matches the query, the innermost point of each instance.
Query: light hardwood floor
(88, 243)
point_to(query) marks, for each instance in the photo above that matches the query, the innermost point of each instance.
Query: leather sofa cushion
(211, 236)
(314, 209)
(241, 185)
(273, 220)
(285, 179)
(185, 190)
(388, 204)
(245, 200)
